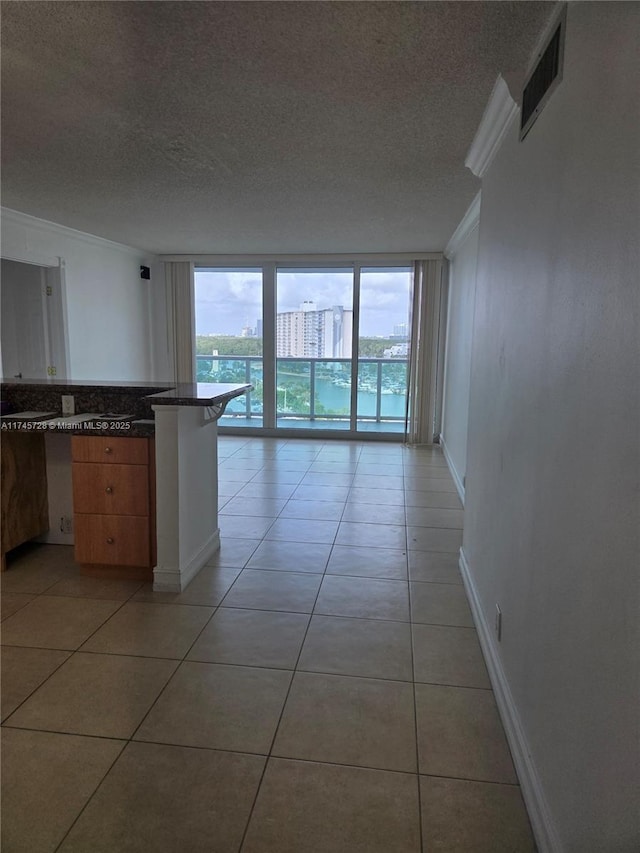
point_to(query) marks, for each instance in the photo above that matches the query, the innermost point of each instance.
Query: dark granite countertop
(129, 404)
(88, 384)
(103, 408)
(198, 394)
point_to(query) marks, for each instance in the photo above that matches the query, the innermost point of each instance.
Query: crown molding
(496, 120)
(16, 217)
(468, 222)
(370, 259)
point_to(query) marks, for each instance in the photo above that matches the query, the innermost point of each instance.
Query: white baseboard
(457, 479)
(539, 814)
(175, 580)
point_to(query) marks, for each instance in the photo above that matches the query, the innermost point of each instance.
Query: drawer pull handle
(109, 540)
(107, 450)
(109, 490)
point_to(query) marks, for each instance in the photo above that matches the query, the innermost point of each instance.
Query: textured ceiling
(253, 127)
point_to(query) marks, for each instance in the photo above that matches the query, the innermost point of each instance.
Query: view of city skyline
(228, 301)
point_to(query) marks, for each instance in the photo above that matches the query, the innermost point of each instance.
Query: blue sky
(228, 300)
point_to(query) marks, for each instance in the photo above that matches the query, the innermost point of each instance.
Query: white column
(186, 494)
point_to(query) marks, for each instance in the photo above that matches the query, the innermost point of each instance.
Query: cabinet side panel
(25, 512)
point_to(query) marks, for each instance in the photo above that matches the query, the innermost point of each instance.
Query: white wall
(109, 307)
(552, 506)
(59, 487)
(462, 292)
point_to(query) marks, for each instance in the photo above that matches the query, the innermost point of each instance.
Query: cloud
(227, 300)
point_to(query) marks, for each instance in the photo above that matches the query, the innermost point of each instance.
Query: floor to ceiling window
(228, 312)
(325, 347)
(384, 332)
(314, 347)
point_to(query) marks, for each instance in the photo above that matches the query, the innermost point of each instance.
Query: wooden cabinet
(25, 510)
(101, 448)
(110, 489)
(114, 506)
(112, 540)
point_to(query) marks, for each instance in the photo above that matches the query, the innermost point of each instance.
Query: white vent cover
(545, 76)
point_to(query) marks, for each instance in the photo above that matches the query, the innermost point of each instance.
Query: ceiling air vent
(544, 78)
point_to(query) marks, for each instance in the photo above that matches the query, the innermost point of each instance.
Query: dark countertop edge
(196, 394)
(88, 385)
(158, 393)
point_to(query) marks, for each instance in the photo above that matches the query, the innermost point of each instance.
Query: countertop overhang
(198, 394)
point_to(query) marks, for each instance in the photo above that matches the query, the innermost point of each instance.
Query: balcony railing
(313, 388)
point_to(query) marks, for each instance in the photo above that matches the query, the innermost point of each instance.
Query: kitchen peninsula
(180, 424)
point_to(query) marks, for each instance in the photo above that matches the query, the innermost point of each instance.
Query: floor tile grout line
(375, 768)
(102, 624)
(97, 654)
(179, 662)
(413, 691)
(276, 728)
(127, 742)
(280, 716)
(17, 708)
(90, 797)
(15, 728)
(471, 779)
(222, 605)
(295, 668)
(415, 724)
(413, 688)
(344, 615)
(253, 804)
(275, 733)
(294, 758)
(184, 657)
(308, 671)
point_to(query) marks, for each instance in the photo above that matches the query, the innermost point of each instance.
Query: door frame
(55, 326)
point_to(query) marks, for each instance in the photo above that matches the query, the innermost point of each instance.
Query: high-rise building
(313, 333)
(400, 330)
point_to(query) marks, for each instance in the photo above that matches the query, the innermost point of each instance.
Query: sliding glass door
(314, 348)
(383, 347)
(228, 313)
(325, 347)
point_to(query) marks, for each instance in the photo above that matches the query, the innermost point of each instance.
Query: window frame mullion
(269, 344)
(355, 338)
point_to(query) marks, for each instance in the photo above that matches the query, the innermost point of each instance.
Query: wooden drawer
(117, 540)
(103, 448)
(110, 489)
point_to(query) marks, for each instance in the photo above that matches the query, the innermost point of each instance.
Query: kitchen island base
(187, 490)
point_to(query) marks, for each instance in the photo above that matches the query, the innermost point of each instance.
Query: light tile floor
(318, 687)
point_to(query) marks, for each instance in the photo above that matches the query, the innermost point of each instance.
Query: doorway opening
(32, 321)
